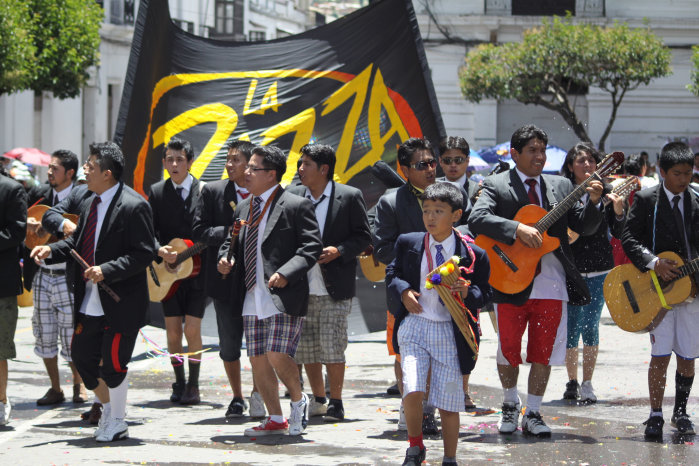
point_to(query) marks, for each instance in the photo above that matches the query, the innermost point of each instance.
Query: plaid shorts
(277, 334)
(53, 315)
(324, 334)
(426, 343)
(8, 325)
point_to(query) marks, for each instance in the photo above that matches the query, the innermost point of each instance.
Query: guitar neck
(565, 205)
(189, 252)
(689, 268)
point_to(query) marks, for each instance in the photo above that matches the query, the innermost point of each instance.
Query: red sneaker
(268, 427)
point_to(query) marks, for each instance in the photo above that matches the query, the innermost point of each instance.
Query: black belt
(53, 272)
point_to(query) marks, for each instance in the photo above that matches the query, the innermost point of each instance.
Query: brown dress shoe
(79, 393)
(93, 415)
(52, 397)
(191, 395)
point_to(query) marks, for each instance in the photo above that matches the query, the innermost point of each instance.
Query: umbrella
(476, 163)
(29, 155)
(555, 156)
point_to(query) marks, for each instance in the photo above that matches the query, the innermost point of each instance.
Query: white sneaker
(5, 409)
(402, 424)
(587, 393)
(257, 405)
(317, 409)
(509, 417)
(533, 424)
(298, 419)
(115, 429)
(101, 425)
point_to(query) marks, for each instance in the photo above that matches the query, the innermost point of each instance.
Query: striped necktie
(440, 260)
(250, 258)
(87, 246)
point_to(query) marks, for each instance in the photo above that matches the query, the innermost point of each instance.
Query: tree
(16, 47)
(693, 85)
(558, 59)
(48, 45)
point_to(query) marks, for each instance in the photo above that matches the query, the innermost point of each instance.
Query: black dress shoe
(682, 423)
(654, 428)
(177, 392)
(191, 395)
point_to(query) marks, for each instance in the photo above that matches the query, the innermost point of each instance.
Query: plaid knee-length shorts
(53, 315)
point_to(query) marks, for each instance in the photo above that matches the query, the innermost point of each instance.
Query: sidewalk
(162, 433)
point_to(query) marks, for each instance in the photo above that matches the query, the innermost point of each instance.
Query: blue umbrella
(555, 156)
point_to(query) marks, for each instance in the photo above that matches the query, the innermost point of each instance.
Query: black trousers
(100, 352)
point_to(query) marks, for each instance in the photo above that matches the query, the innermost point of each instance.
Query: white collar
(186, 184)
(524, 177)
(265, 195)
(670, 194)
(448, 244)
(107, 196)
(327, 192)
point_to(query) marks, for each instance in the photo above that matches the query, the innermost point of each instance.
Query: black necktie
(679, 221)
(55, 199)
(179, 190)
(317, 203)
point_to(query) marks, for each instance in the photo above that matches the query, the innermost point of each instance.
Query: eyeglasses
(253, 168)
(424, 165)
(456, 160)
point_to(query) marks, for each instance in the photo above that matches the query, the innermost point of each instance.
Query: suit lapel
(334, 204)
(275, 212)
(547, 193)
(415, 261)
(517, 189)
(111, 215)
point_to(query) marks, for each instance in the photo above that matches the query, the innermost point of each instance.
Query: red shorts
(543, 317)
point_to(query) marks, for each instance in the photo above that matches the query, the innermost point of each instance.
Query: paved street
(607, 433)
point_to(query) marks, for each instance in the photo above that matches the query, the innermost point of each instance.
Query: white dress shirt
(670, 195)
(432, 309)
(316, 284)
(186, 185)
(258, 301)
(92, 305)
(459, 183)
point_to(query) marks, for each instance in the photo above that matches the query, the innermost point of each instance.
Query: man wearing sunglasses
(454, 158)
(400, 211)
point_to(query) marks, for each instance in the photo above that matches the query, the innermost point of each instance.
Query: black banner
(360, 84)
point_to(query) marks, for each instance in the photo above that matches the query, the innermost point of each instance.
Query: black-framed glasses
(424, 165)
(253, 168)
(456, 160)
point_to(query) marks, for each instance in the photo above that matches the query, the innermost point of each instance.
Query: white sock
(106, 410)
(533, 403)
(510, 395)
(276, 418)
(117, 398)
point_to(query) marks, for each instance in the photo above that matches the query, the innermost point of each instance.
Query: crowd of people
(279, 264)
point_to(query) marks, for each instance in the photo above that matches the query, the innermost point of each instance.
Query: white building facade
(648, 117)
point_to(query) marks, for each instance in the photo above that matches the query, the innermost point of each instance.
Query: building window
(229, 19)
(542, 7)
(186, 25)
(257, 35)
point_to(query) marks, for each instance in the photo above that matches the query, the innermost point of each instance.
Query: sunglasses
(424, 165)
(456, 160)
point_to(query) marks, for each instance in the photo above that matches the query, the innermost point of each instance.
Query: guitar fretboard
(189, 252)
(563, 206)
(689, 268)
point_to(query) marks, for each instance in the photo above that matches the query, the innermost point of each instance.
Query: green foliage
(48, 45)
(16, 47)
(693, 85)
(560, 56)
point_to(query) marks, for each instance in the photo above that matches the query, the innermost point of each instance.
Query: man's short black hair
(445, 192)
(69, 161)
(634, 164)
(526, 133)
(321, 154)
(454, 143)
(108, 156)
(273, 158)
(180, 145)
(410, 146)
(675, 153)
(578, 148)
(244, 147)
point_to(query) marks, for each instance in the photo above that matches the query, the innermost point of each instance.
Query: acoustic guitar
(633, 301)
(513, 267)
(41, 236)
(373, 270)
(163, 278)
(623, 190)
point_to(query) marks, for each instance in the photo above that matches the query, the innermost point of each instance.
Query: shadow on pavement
(90, 442)
(271, 440)
(498, 438)
(167, 404)
(375, 395)
(221, 421)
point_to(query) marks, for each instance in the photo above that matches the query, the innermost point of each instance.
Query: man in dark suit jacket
(344, 226)
(666, 218)
(454, 155)
(115, 237)
(273, 254)
(541, 303)
(174, 202)
(212, 225)
(13, 228)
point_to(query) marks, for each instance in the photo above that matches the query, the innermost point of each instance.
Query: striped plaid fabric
(251, 245)
(87, 247)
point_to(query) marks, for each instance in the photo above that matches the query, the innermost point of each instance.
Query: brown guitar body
(633, 301)
(42, 237)
(373, 270)
(512, 267)
(169, 275)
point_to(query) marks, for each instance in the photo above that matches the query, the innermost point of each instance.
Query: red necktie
(242, 194)
(533, 196)
(87, 247)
